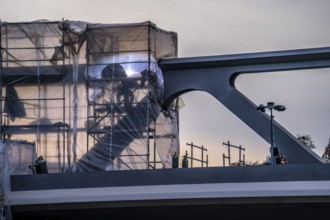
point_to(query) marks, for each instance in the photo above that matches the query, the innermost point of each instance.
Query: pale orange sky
(218, 27)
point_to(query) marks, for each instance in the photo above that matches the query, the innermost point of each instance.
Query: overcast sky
(219, 27)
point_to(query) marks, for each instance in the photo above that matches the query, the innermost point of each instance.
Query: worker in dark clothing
(185, 161)
(175, 160)
(116, 72)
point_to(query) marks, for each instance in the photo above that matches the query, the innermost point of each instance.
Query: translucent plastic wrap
(4, 175)
(21, 155)
(88, 95)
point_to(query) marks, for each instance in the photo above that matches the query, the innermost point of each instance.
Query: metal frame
(216, 76)
(61, 128)
(192, 158)
(240, 149)
(98, 114)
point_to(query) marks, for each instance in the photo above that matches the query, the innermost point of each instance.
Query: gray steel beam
(216, 75)
(297, 184)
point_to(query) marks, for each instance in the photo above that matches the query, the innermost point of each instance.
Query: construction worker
(185, 161)
(175, 160)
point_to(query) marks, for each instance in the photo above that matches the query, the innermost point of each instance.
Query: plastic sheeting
(88, 95)
(21, 155)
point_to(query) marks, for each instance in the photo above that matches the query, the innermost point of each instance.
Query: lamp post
(274, 151)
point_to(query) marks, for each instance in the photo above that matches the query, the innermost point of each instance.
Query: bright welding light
(129, 72)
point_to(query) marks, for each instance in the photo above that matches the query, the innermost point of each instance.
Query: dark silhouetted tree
(307, 140)
(246, 163)
(326, 154)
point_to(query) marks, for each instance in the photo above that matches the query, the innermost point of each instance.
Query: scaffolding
(88, 96)
(241, 161)
(202, 160)
(28, 93)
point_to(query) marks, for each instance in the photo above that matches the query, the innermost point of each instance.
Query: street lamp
(274, 151)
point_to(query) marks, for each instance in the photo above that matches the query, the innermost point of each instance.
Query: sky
(221, 27)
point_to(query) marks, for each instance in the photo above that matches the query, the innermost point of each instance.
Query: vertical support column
(239, 154)
(87, 85)
(37, 58)
(148, 99)
(58, 151)
(191, 154)
(1, 81)
(202, 156)
(207, 160)
(154, 138)
(63, 109)
(7, 58)
(114, 49)
(223, 159)
(2, 166)
(229, 157)
(272, 141)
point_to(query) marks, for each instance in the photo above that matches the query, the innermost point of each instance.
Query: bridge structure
(300, 189)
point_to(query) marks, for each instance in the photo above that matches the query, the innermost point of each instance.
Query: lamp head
(280, 108)
(262, 108)
(270, 104)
